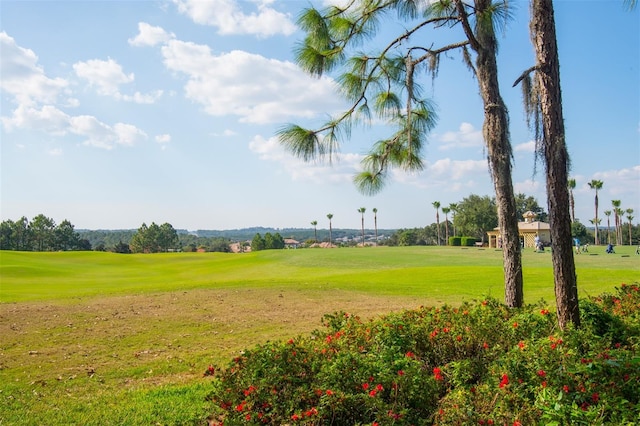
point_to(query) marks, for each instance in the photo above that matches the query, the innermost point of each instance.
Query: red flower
(410, 355)
(373, 393)
(541, 373)
(504, 381)
(329, 392)
(365, 386)
(517, 423)
(295, 417)
(400, 373)
(521, 345)
(437, 373)
(485, 345)
(565, 388)
(595, 397)
(379, 387)
(515, 324)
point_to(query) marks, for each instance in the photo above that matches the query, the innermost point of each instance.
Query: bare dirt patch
(150, 339)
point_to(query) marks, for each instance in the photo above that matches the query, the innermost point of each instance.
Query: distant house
(291, 243)
(527, 230)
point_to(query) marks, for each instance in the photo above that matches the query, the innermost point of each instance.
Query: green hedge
(454, 241)
(468, 241)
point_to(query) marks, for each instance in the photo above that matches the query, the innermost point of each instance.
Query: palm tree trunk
(496, 135)
(557, 160)
(597, 242)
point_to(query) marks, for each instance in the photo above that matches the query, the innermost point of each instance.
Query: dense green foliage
(479, 363)
(154, 239)
(40, 234)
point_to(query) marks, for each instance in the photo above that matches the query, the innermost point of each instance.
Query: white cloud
(47, 119)
(148, 35)
(229, 18)
(140, 98)
(23, 78)
(341, 170)
(466, 136)
(106, 76)
(526, 147)
(447, 174)
(255, 88)
(620, 182)
(55, 152)
(163, 139)
(127, 134)
(533, 188)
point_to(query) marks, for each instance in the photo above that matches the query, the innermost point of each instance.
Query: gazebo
(527, 230)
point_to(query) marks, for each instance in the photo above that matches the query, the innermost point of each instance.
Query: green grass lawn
(100, 338)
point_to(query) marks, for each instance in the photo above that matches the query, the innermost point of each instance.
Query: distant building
(527, 230)
(291, 243)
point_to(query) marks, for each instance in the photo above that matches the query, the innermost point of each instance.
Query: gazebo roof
(530, 226)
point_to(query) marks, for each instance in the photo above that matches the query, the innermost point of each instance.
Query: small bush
(455, 241)
(468, 241)
(480, 363)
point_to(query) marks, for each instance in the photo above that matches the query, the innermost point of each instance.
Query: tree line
(40, 234)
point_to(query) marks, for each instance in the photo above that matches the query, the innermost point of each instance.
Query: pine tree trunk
(557, 160)
(496, 135)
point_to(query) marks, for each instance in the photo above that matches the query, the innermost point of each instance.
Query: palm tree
(572, 201)
(314, 223)
(630, 218)
(330, 216)
(616, 218)
(620, 212)
(375, 223)
(454, 210)
(361, 210)
(595, 222)
(446, 211)
(436, 205)
(608, 214)
(596, 185)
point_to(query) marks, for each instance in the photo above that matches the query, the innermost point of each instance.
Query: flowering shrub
(480, 363)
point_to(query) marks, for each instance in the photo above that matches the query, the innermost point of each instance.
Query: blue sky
(118, 113)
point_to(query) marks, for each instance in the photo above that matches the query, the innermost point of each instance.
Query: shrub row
(462, 241)
(480, 363)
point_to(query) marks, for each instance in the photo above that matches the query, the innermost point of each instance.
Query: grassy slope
(407, 271)
(99, 338)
